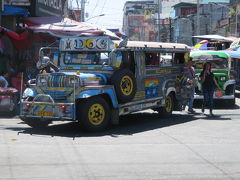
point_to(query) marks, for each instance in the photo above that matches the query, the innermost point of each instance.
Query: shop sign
(17, 2)
(49, 7)
(224, 22)
(188, 10)
(136, 20)
(84, 44)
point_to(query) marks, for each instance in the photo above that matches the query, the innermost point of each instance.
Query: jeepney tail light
(28, 105)
(63, 108)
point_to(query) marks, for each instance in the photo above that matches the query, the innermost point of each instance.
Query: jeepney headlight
(28, 92)
(42, 81)
(72, 80)
(223, 78)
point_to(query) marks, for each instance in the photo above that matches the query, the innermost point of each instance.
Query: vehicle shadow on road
(129, 125)
(217, 105)
(215, 117)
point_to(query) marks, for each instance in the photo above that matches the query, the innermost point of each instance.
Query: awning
(13, 10)
(20, 41)
(63, 27)
(215, 37)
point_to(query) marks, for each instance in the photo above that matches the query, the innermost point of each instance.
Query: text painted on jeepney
(76, 44)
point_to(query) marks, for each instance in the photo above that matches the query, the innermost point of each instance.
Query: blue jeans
(191, 99)
(208, 98)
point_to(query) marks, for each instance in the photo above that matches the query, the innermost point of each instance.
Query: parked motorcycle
(9, 98)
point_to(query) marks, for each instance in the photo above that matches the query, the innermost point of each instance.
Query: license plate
(44, 114)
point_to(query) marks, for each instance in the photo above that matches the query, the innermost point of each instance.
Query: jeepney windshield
(219, 60)
(85, 58)
(216, 63)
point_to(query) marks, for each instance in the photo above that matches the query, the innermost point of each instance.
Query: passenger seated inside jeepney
(166, 59)
(179, 58)
(152, 59)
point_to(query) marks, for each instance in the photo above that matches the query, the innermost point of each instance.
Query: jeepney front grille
(57, 81)
(58, 95)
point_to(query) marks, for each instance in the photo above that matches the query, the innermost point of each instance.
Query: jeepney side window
(152, 59)
(179, 58)
(166, 59)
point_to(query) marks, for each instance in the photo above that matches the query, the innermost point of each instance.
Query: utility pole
(1, 10)
(198, 17)
(82, 10)
(236, 19)
(159, 4)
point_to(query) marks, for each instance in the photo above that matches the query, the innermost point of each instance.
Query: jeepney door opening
(235, 67)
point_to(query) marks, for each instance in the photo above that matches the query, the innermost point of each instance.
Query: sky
(113, 10)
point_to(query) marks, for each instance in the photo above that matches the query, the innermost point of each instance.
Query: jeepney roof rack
(153, 46)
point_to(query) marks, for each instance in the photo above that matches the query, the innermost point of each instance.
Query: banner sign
(49, 7)
(85, 44)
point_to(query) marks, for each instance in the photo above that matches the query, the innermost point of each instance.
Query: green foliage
(232, 13)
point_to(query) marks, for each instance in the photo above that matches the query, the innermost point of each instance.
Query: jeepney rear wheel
(37, 123)
(94, 114)
(125, 85)
(168, 108)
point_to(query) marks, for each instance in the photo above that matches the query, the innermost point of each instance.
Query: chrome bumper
(199, 97)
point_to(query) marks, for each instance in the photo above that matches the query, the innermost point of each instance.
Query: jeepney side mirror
(31, 82)
(43, 62)
(115, 57)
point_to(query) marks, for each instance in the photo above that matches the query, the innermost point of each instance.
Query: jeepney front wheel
(168, 108)
(94, 113)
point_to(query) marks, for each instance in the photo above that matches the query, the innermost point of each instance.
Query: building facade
(234, 27)
(138, 20)
(213, 19)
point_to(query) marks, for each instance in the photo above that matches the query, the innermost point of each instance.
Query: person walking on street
(191, 78)
(208, 85)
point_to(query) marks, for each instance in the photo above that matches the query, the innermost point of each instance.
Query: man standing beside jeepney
(191, 79)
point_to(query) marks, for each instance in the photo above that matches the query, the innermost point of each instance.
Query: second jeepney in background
(100, 79)
(221, 68)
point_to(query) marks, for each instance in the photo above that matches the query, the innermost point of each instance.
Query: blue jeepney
(100, 79)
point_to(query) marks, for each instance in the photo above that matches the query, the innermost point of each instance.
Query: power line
(102, 9)
(95, 6)
(77, 4)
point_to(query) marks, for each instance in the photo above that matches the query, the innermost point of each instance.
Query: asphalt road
(144, 146)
